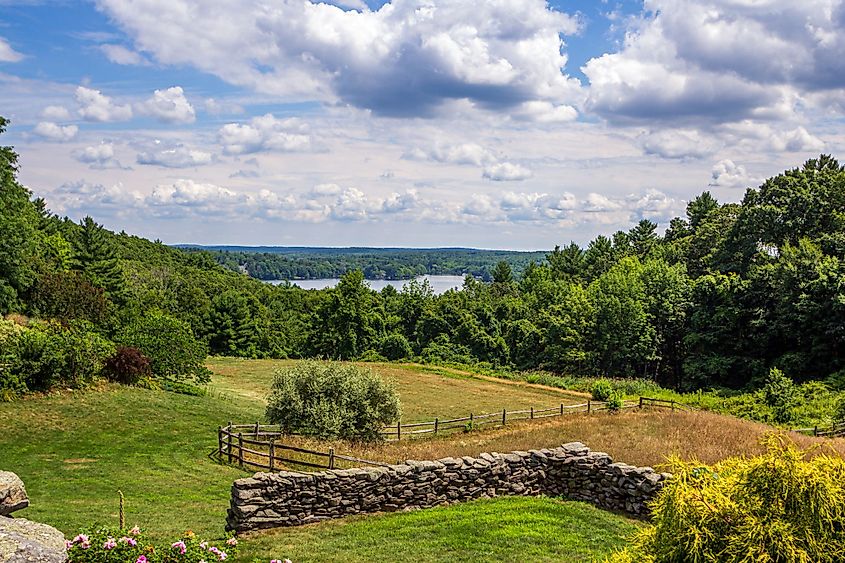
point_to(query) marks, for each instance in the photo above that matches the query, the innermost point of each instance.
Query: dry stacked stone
(269, 500)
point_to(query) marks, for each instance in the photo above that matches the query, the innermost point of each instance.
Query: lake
(440, 284)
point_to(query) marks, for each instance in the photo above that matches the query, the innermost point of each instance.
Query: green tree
(643, 237)
(170, 345)
(96, 257)
(233, 325)
(502, 273)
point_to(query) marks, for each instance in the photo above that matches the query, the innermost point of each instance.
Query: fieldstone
(12, 493)
(23, 541)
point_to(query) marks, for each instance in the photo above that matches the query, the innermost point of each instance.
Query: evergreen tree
(502, 273)
(96, 257)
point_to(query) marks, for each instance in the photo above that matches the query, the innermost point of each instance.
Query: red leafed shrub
(128, 365)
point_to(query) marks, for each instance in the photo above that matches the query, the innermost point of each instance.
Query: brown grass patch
(645, 437)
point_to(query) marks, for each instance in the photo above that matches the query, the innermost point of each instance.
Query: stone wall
(269, 500)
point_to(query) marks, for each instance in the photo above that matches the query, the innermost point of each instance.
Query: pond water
(440, 284)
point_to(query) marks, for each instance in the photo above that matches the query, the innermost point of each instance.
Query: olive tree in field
(332, 400)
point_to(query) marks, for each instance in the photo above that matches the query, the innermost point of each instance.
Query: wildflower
(68, 544)
(221, 555)
(110, 544)
(80, 538)
(204, 545)
(141, 559)
(232, 541)
(189, 534)
(135, 531)
(128, 540)
(180, 545)
(85, 544)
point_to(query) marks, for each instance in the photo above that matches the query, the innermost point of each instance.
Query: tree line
(728, 292)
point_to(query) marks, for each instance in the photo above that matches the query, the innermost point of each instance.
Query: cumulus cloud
(55, 113)
(265, 133)
(679, 143)
(720, 60)
(54, 132)
(506, 172)
(98, 157)
(168, 106)
(727, 174)
(406, 58)
(163, 154)
(94, 106)
(120, 55)
(7, 53)
(82, 197)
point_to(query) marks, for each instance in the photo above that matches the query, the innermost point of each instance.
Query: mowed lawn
(426, 392)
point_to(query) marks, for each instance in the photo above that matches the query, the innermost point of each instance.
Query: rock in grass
(12, 493)
(24, 541)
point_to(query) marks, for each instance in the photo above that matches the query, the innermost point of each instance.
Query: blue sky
(506, 124)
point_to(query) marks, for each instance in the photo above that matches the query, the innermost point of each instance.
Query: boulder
(23, 541)
(12, 493)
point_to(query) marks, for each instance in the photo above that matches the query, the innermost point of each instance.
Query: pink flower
(141, 559)
(128, 540)
(110, 544)
(136, 531)
(221, 555)
(68, 544)
(204, 545)
(180, 545)
(80, 538)
(85, 544)
(232, 541)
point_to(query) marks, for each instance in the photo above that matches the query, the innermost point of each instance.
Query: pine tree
(96, 257)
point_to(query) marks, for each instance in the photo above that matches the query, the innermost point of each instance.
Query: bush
(170, 345)
(128, 366)
(780, 394)
(106, 545)
(782, 506)
(602, 390)
(44, 355)
(396, 347)
(332, 400)
(615, 402)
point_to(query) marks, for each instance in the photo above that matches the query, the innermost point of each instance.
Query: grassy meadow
(76, 449)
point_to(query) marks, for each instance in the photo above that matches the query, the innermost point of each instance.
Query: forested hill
(728, 292)
(300, 262)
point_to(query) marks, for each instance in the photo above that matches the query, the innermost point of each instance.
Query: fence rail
(835, 430)
(233, 440)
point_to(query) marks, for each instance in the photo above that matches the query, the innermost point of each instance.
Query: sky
(517, 124)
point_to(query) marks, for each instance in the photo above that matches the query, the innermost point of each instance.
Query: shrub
(106, 545)
(839, 413)
(332, 400)
(602, 390)
(170, 345)
(128, 365)
(615, 402)
(784, 505)
(396, 347)
(49, 354)
(371, 356)
(780, 393)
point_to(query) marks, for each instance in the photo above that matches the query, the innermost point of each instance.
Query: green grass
(76, 449)
(504, 529)
(425, 392)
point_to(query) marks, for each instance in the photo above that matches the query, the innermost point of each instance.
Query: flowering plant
(107, 545)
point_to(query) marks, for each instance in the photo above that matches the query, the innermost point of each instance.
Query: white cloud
(94, 106)
(120, 55)
(679, 143)
(727, 174)
(55, 113)
(54, 132)
(99, 157)
(168, 106)
(265, 133)
(163, 154)
(222, 107)
(407, 58)
(507, 172)
(797, 140)
(8, 54)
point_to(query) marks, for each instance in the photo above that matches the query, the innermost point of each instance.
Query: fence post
(241, 449)
(331, 458)
(229, 440)
(272, 452)
(588, 406)
(532, 413)
(641, 402)
(561, 409)
(399, 430)
(220, 442)
(504, 416)
(470, 422)
(256, 430)
(816, 430)
(436, 424)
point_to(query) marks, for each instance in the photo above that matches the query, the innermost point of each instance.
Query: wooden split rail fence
(833, 431)
(260, 446)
